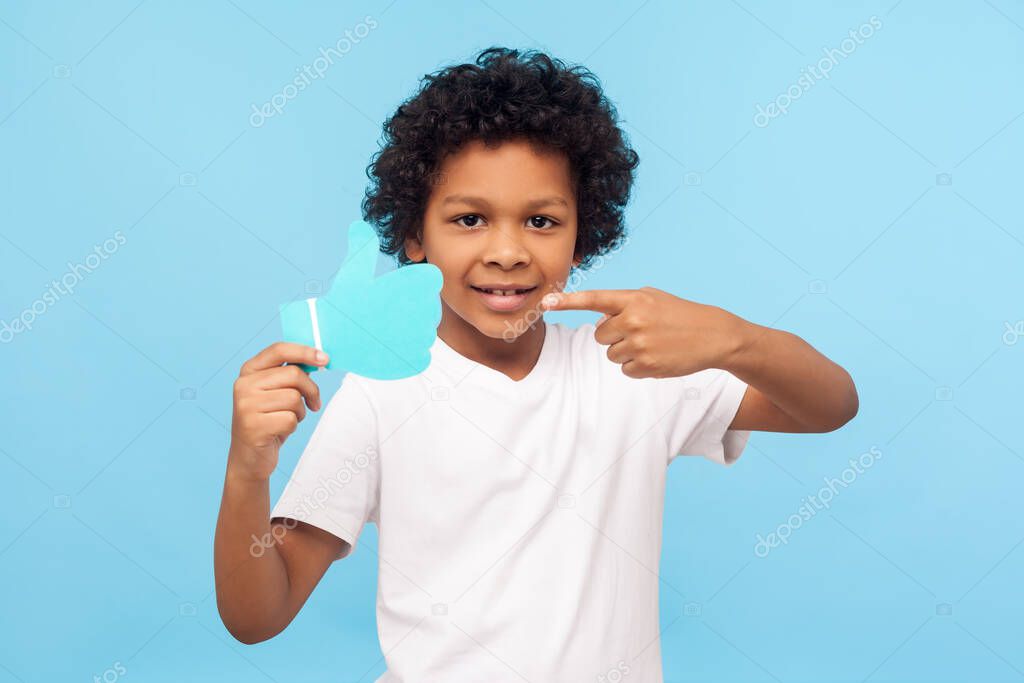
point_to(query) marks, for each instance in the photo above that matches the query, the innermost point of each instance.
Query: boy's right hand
(270, 400)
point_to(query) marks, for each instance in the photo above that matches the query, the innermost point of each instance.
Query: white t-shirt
(519, 521)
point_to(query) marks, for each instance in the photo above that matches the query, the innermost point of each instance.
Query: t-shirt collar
(462, 367)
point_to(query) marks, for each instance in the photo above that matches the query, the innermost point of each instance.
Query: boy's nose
(505, 248)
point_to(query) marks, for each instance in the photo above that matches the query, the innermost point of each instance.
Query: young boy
(517, 483)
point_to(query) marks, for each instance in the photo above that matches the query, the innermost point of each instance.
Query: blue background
(880, 219)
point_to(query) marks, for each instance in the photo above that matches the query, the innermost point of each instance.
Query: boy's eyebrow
(533, 204)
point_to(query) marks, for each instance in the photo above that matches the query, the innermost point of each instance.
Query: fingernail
(321, 358)
(550, 300)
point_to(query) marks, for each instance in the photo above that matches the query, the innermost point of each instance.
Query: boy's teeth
(502, 292)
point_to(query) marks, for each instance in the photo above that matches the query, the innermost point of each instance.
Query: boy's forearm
(252, 587)
(799, 380)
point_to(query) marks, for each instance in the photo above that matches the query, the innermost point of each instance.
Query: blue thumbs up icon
(380, 327)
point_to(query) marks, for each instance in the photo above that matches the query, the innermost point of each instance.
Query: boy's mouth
(503, 299)
(503, 292)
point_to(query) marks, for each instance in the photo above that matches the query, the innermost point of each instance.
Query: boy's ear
(414, 249)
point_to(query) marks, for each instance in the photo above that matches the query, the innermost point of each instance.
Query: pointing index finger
(609, 301)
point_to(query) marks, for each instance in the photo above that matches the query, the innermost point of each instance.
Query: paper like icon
(379, 327)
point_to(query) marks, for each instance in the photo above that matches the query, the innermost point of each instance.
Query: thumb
(360, 257)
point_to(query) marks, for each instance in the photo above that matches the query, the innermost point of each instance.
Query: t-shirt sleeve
(336, 484)
(699, 409)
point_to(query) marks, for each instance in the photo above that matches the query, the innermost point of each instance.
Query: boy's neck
(512, 358)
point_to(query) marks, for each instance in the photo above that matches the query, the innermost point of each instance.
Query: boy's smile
(500, 224)
(504, 297)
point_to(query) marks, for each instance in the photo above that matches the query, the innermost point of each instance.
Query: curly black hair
(506, 94)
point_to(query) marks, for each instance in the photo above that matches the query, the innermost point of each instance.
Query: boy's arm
(651, 333)
(792, 387)
(264, 572)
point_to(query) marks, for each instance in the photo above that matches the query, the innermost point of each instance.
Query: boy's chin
(507, 328)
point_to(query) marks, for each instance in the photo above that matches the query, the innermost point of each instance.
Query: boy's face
(501, 216)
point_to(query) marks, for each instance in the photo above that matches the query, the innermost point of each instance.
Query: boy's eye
(471, 220)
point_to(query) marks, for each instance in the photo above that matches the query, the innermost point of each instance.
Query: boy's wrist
(743, 342)
(239, 476)
(238, 471)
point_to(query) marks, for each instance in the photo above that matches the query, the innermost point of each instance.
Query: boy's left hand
(652, 333)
